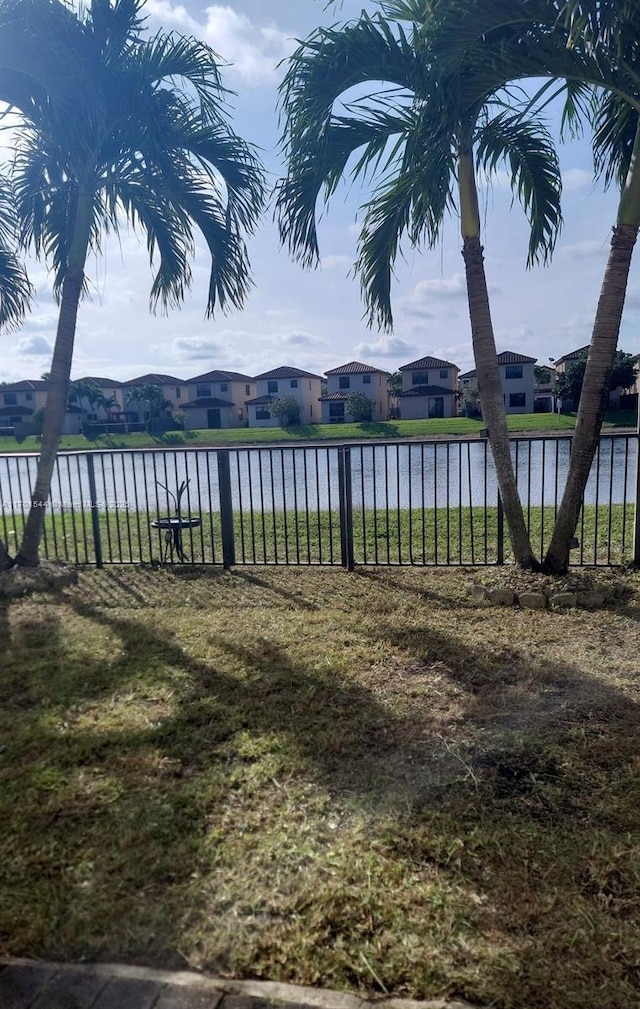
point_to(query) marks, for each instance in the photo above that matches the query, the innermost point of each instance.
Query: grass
(455, 426)
(356, 780)
(399, 536)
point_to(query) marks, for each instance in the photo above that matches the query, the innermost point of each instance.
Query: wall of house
(417, 407)
(518, 386)
(234, 391)
(198, 419)
(254, 422)
(430, 376)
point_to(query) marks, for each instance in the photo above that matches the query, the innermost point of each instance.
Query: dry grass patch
(356, 780)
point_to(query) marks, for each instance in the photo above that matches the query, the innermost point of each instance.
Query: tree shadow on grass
(511, 778)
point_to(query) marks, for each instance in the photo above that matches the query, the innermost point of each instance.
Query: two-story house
(518, 383)
(18, 401)
(350, 378)
(279, 383)
(217, 400)
(112, 407)
(543, 392)
(172, 389)
(429, 389)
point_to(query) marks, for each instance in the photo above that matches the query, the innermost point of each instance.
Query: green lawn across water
(455, 426)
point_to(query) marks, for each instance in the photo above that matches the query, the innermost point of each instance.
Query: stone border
(271, 991)
(540, 598)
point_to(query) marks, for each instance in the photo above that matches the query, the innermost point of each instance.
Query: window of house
(294, 383)
(517, 399)
(272, 386)
(336, 409)
(247, 390)
(263, 415)
(15, 420)
(177, 392)
(465, 381)
(203, 391)
(444, 373)
(11, 398)
(240, 415)
(420, 378)
(310, 410)
(224, 387)
(366, 379)
(28, 395)
(344, 382)
(513, 371)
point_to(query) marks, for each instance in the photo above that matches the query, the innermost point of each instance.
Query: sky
(314, 319)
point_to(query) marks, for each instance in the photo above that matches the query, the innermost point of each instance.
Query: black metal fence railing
(392, 503)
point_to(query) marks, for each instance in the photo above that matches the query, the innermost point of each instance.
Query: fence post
(95, 518)
(636, 514)
(500, 559)
(346, 507)
(226, 509)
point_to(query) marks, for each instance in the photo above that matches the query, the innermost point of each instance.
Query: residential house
(351, 378)
(111, 390)
(304, 387)
(173, 391)
(518, 383)
(618, 397)
(429, 389)
(19, 401)
(217, 400)
(567, 360)
(544, 399)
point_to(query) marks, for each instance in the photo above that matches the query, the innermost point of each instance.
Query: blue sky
(314, 319)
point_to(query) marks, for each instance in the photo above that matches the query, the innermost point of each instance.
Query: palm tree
(420, 140)
(119, 128)
(593, 47)
(150, 396)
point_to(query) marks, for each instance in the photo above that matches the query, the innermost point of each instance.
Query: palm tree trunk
(58, 390)
(486, 358)
(602, 350)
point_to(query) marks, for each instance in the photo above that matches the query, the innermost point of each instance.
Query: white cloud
(386, 346)
(252, 51)
(196, 348)
(584, 250)
(576, 178)
(329, 262)
(302, 339)
(34, 345)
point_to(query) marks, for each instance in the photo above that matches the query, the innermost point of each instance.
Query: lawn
(358, 781)
(455, 426)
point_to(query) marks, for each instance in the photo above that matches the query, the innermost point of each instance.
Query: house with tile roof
(354, 377)
(217, 399)
(303, 386)
(429, 389)
(173, 390)
(566, 360)
(20, 400)
(518, 384)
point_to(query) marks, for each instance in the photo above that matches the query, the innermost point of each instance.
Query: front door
(213, 417)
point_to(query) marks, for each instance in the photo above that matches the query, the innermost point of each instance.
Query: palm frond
(15, 290)
(615, 128)
(527, 149)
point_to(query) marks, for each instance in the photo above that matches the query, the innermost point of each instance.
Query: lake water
(408, 475)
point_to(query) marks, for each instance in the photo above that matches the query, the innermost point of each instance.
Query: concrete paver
(128, 993)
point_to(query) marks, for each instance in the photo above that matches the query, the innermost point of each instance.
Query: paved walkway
(28, 984)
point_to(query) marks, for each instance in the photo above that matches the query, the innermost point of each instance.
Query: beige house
(303, 386)
(19, 401)
(217, 400)
(429, 389)
(112, 390)
(518, 384)
(351, 378)
(544, 399)
(173, 390)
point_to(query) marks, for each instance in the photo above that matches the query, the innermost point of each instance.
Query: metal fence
(393, 503)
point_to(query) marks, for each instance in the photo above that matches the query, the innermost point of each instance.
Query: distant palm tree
(119, 128)
(419, 141)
